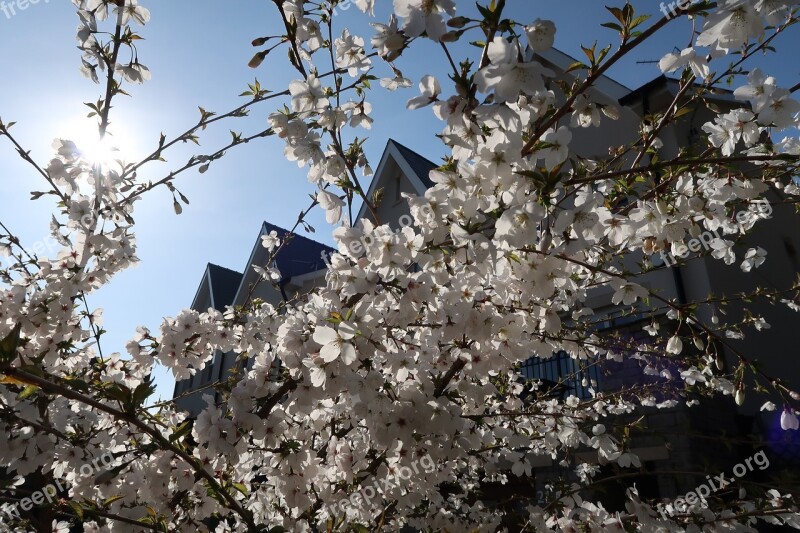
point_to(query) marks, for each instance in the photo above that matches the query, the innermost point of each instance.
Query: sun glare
(96, 151)
(99, 151)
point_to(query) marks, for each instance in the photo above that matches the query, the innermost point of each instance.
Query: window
(398, 197)
(561, 376)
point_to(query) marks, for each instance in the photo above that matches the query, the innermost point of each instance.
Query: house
(689, 435)
(302, 265)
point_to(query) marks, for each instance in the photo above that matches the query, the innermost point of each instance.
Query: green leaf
(181, 431)
(78, 385)
(241, 488)
(8, 347)
(27, 392)
(141, 393)
(603, 54)
(638, 20)
(77, 509)
(575, 66)
(33, 370)
(117, 392)
(589, 53)
(617, 12)
(612, 25)
(627, 12)
(485, 13)
(112, 499)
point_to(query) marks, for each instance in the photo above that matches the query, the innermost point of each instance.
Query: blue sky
(197, 51)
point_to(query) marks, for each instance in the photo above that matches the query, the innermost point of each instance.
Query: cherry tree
(392, 394)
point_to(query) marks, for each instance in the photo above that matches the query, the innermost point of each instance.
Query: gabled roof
(224, 284)
(673, 85)
(300, 256)
(415, 168)
(217, 288)
(562, 62)
(420, 165)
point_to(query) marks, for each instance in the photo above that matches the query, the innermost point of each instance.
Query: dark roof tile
(224, 283)
(300, 256)
(420, 165)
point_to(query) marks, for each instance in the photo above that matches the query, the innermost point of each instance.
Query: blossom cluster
(367, 493)
(410, 351)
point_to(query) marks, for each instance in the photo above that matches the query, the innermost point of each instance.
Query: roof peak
(220, 267)
(420, 164)
(283, 231)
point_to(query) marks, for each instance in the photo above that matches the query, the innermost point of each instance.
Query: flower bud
(258, 59)
(739, 396)
(457, 22)
(541, 35)
(674, 345)
(451, 36)
(611, 111)
(789, 419)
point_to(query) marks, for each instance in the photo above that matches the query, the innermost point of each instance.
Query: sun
(98, 151)
(104, 152)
